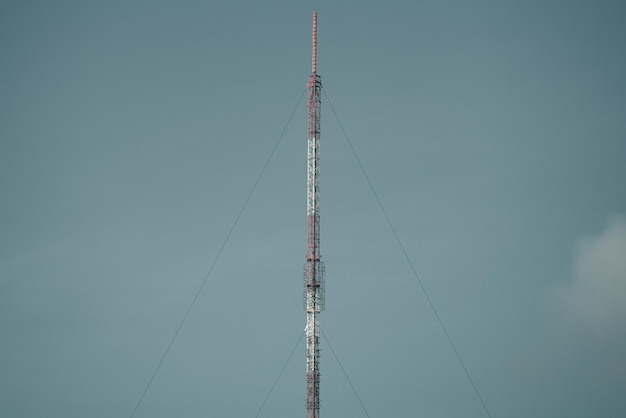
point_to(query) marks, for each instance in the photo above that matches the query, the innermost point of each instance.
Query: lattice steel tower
(313, 266)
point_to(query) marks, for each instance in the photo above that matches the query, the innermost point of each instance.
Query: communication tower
(313, 266)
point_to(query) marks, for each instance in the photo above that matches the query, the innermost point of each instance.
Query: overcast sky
(132, 132)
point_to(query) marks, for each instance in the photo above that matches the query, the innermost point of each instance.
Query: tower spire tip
(314, 57)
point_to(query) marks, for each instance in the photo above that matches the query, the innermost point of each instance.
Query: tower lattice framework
(313, 267)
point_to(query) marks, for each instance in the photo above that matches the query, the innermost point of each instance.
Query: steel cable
(219, 253)
(279, 375)
(345, 374)
(408, 259)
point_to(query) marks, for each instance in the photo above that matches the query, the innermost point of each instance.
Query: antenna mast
(313, 266)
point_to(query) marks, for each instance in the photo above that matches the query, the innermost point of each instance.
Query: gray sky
(132, 132)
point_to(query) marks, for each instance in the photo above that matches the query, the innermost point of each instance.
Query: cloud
(597, 295)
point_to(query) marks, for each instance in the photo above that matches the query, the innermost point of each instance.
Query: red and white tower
(313, 266)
